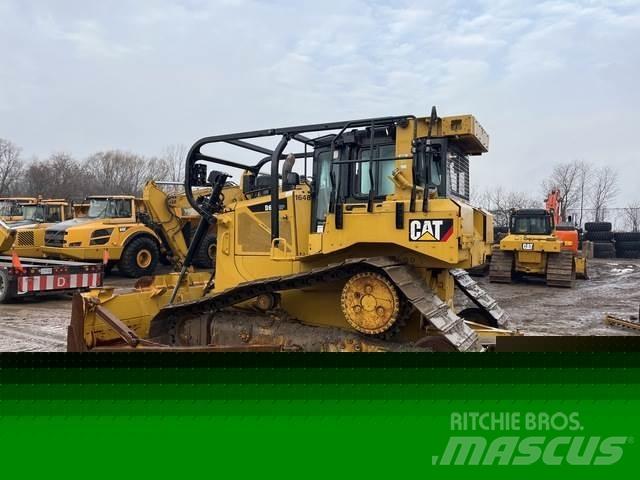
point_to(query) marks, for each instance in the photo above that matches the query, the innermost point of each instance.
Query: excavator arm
(553, 204)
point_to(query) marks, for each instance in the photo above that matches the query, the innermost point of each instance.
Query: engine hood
(66, 225)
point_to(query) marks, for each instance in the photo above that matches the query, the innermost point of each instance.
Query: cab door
(256, 256)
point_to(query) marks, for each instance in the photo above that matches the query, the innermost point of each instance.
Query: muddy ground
(40, 325)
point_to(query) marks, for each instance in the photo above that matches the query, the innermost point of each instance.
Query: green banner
(386, 417)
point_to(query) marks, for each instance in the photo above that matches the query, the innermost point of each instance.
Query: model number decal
(266, 207)
(430, 230)
(527, 246)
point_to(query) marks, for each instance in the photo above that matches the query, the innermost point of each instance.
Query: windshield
(34, 213)
(534, 225)
(109, 208)
(10, 209)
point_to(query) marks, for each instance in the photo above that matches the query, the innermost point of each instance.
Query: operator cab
(531, 222)
(43, 213)
(110, 207)
(344, 168)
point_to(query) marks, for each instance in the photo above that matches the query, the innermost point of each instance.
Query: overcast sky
(550, 82)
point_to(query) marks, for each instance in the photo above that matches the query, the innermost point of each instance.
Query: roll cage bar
(195, 174)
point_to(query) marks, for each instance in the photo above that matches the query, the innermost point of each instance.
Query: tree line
(111, 172)
(586, 192)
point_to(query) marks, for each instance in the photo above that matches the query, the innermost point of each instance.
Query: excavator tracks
(165, 327)
(561, 271)
(501, 267)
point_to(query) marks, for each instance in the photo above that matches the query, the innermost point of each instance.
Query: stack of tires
(627, 244)
(600, 234)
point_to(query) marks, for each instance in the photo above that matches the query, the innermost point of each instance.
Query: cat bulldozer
(349, 236)
(539, 244)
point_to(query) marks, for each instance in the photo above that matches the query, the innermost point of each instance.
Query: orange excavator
(565, 231)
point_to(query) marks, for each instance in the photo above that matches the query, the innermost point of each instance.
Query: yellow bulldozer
(539, 244)
(355, 244)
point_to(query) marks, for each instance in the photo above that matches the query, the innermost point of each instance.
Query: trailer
(33, 277)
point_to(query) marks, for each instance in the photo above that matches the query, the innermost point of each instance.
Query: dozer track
(561, 271)
(165, 327)
(480, 297)
(501, 267)
(619, 322)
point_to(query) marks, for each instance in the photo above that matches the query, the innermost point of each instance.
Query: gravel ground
(41, 324)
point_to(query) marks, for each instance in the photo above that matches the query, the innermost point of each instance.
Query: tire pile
(607, 244)
(627, 244)
(602, 237)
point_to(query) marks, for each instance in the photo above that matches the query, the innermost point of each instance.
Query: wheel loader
(348, 236)
(539, 244)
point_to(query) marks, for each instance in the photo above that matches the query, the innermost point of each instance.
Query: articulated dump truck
(347, 236)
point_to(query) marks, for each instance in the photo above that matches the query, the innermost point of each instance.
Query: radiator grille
(458, 175)
(25, 238)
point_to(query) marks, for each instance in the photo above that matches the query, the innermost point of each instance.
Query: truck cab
(36, 218)
(11, 208)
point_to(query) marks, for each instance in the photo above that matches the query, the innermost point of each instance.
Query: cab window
(381, 171)
(533, 225)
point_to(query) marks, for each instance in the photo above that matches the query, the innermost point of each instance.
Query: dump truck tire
(627, 236)
(140, 258)
(5, 296)
(604, 250)
(597, 226)
(599, 236)
(205, 257)
(627, 245)
(628, 253)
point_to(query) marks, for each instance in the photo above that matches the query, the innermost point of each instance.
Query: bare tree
(604, 188)
(632, 216)
(10, 166)
(60, 176)
(501, 202)
(584, 172)
(174, 156)
(570, 179)
(117, 172)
